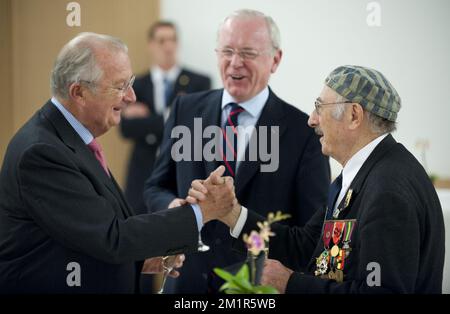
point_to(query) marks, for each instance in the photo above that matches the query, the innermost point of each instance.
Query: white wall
(411, 47)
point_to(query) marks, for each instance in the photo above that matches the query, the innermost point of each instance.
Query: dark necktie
(229, 132)
(167, 91)
(95, 147)
(333, 193)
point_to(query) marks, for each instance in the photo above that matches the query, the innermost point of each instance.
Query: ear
(77, 93)
(357, 116)
(276, 60)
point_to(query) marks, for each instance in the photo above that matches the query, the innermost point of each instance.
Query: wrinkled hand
(216, 197)
(199, 190)
(276, 275)
(136, 110)
(154, 265)
(177, 202)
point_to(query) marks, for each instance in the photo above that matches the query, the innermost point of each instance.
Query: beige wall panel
(39, 30)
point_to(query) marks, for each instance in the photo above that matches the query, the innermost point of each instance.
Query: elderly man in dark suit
(295, 177)
(65, 226)
(383, 228)
(143, 121)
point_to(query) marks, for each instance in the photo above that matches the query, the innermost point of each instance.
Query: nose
(313, 120)
(236, 60)
(130, 96)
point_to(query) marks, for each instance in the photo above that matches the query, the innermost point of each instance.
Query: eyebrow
(319, 99)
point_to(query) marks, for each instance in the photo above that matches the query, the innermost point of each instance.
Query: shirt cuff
(198, 216)
(236, 232)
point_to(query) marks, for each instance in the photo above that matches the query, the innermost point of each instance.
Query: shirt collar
(81, 130)
(357, 160)
(253, 106)
(160, 74)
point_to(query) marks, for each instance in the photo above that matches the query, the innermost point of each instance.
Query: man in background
(143, 121)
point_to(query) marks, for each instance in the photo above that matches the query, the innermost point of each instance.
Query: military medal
(337, 233)
(324, 258)
(339, 276)
(349, 226)
(348, 198)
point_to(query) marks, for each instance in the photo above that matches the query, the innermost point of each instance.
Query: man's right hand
(216, 197)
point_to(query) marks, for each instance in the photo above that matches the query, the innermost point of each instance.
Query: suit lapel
(385, 146)
(182, 82)
(69, 136)
(272, 115)
(211, 116)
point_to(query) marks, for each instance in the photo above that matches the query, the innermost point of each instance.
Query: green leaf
(223, 274)
(243, 272)
(243, 283)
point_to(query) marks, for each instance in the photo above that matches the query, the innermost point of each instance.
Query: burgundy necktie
(95, 147)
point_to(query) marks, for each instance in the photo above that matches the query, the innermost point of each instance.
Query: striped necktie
(229, 132)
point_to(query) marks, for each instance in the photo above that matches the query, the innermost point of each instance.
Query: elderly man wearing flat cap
(383, 229)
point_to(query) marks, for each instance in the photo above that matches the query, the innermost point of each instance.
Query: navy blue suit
(299, 186)
(146, 133)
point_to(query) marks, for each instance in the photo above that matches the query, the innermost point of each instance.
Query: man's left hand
(154, 265)
(276, 275)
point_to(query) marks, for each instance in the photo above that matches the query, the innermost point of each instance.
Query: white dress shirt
(157, 75)
(247, 118)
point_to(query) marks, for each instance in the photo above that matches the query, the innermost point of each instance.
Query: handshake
(215, 196)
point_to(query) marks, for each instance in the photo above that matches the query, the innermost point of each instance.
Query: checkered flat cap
(367, 87)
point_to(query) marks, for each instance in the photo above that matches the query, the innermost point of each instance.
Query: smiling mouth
(117, 108)
(237, 77)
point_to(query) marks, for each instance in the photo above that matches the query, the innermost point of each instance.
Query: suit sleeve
(160, 189)
(313, 181)
(62, 201)
(292, 246)
(389, 236)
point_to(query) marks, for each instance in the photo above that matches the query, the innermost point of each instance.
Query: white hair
(272, 28)
(77, 61)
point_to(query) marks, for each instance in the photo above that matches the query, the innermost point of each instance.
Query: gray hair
(378, 125)
(272, 28)
(77, 61)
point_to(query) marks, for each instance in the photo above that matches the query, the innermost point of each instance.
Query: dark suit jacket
(399, 225)
(146, 133)
(57, 206)
(298, 187)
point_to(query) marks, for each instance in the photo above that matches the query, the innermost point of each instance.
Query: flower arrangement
(246, 280)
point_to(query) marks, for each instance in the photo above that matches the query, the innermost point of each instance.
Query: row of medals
(330, 264)
(332, 260)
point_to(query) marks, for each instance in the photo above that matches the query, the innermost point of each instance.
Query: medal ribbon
(327, 230)
(337, 231)
(349, 226)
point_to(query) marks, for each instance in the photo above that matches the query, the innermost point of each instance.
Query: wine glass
(202, 247)
(168, 263)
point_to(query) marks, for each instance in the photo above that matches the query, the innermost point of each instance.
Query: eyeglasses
(245, 54)
(318, 105)
(120, 90)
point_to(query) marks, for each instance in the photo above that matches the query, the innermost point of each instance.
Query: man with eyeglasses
(383, 229)
(248, 53)
(65, 226)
